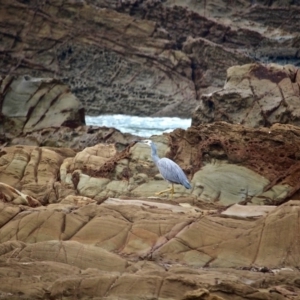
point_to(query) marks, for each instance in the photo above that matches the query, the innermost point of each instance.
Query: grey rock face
(30, 104)
(144, 57)
(254, 95)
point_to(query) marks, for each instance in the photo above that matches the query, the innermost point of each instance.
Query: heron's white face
(147, 142)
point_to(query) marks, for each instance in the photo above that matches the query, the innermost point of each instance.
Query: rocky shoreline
(78, 215)
(79, 218)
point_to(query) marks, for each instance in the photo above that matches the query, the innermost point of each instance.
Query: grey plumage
(169, 170)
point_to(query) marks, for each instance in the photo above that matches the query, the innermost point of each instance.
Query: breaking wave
(142, 126)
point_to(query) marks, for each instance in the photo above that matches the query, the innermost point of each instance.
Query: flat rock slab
(132, 249)
(250, 211)
(141, 280)
(159, 232)
(154, 204)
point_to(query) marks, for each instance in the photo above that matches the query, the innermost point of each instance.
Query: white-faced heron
(169, 170)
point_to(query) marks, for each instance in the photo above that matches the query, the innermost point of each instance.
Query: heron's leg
(164, 191)
(172, 190)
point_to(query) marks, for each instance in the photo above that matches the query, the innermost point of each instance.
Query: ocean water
(141, 126)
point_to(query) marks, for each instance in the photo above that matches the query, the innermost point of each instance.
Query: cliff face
(144, 57)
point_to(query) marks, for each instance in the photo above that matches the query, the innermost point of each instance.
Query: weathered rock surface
(32, 170)
(216, 155)
(76, 139)
(85, 244)
(150, 78)
(30, 104)
(225, 163)
(10, 194)
(81, 242)
(43, 112)
(254, 95)
(78, 219)
(157, 57)
(147, 251)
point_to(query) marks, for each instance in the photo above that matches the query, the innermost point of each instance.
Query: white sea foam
(142, 126)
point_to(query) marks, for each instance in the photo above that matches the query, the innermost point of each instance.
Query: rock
(100, 172)
(109, 76)
(156, 231)
(229, 154)
(235, 31)
(283, 291)
(78, 219)
(10, 194)
(31, 170)
(214, 182)
(225, 163)
(203, 244)
(254, 95)
(30, 104)
(204, 54)
(147, 250)
(76, 138)
(8, 212)
(243, 211)
(142, 203)
(67, 251)
(203, 294)
(144, 53)
(89, 172)
(30, 278)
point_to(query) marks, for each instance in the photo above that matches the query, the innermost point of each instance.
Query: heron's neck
(154, 153)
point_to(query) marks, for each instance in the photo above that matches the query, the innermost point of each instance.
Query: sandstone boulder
(254, 95)
(31, 170)
(30, 104)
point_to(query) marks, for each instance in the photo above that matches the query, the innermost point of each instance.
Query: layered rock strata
(157, 57)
